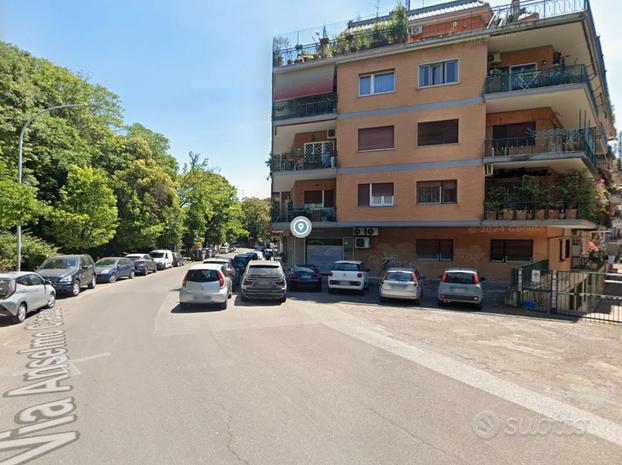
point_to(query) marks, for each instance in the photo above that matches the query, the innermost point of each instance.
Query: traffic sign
(301, 227)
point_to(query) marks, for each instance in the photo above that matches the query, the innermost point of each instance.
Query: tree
(34, 251)
(256, 218)
(18, 202)
(86, 214)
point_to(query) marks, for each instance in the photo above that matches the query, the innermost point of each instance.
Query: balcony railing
(554, 141)
(506, 82)
(314, 214)
(305, 107)
(298, 161)
(349, 37)
(525, 211)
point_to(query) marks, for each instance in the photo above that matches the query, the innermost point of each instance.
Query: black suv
(69, 273)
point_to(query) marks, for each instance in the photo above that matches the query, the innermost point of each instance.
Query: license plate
(264, 283)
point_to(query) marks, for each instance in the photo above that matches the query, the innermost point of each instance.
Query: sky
(199, 71)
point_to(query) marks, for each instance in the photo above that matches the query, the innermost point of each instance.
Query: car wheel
(75, 289)
(51, 300)
(93, 283)
(284, 299)
(331, 290)
(243, 298)
(183, 305)
(113, 278)
(132, 274)
(223, 306)
(381, 299)
(20, 316)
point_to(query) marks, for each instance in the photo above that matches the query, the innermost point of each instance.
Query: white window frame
(443, 62)
(385, 200)
(372, 85)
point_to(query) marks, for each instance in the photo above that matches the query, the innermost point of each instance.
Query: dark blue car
(109, 269)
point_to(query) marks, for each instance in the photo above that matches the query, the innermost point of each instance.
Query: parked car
(163, 258)
(402, 283)
(348, 275)
(264, 280)
(461, 285)
(305, 277)
(69, 273)
(109, 269)
(24, 292)
(224, 249)
(143, 263)
(178, 260)
(207, 283)
(198, 255)
(240, 263)
(228, 263)
(233, 247)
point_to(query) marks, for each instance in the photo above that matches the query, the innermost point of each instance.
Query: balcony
(298, 161)
(530, 211)
(507, 82)
(562, 147)
(417, 26)
(324, 215)
(305, 107)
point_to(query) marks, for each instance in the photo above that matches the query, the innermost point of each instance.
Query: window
(36, 280)
(376, 138)
(317, 149)
(377, 83)
(511, 251)
(375, 195)
(433, 192)
(435, 249)
(514, 135)
(313, 198)
(436, 74)
(437, 132)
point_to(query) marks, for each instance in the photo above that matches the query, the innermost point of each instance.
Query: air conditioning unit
(494, 58)
(414, 30)
(331, 133)
(362, 243)
(371, 231)
(358, 232)
(490, 170)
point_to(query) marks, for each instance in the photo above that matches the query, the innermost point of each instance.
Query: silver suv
(23, 292)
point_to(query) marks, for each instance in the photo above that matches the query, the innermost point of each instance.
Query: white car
(348, 275)
(163, 258)
(207, 283)
(24, 292)
(462, 285)
(402, 283)
(224, 249)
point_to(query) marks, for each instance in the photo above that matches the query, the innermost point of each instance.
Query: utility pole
(20, 161)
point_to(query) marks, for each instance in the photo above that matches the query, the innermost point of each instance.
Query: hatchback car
(207, 283)
(461, 285)
(348, 275)
(305, 277)
(69, 273)
(143, 263)
(178, 259)
(264, 280)
(227, 262)
(24, 292)
(224, 249)
(402, 283)
(109, 269)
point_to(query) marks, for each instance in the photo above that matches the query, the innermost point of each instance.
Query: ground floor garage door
(323, 253)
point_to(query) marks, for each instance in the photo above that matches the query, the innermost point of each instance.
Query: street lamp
(19, 163)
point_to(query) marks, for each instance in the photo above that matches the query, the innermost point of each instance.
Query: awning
(296, 84)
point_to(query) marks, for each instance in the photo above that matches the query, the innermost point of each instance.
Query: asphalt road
(258, 383)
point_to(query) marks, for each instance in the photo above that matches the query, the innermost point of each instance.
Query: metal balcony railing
(314, 214)
(305, 107)
(554, 141)
(524, 211)
(506, 82)
(298, 161)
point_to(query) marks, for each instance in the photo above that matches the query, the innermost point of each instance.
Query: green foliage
(18, 202)
(398, 24)
(85, 215)
(256, 218)
(34, 251)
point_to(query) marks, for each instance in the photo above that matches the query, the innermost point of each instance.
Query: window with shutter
(437, 132)
(376, 138)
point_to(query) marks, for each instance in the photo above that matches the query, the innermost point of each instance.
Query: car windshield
(157, 254)
(347, 267)
(134, 257)
(306, 269)
(455, 277)
(106, 262)
(264, 270)
(241, 260)
(5, 286)
(202, 276)
(402, 276)
(59, 263)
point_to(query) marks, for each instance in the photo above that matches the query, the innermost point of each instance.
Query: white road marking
(71, 364)
(471, 376)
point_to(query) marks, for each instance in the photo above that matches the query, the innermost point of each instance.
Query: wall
(301, 138)
(538, 55)
(544, 118)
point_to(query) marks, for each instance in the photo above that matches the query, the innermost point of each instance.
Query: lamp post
(19, 163)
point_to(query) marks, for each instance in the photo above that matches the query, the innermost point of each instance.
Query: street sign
(301, 227)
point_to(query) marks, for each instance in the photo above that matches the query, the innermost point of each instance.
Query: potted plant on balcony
(398, 25)
(495, 196)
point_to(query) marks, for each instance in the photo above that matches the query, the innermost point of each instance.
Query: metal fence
(305, 107)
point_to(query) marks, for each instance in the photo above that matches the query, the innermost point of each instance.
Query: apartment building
(455, 134)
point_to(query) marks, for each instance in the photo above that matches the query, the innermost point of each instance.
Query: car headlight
(66, 279)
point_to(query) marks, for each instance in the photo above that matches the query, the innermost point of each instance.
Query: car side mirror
(48, 282)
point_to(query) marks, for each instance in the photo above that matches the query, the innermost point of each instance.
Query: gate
(595, 295)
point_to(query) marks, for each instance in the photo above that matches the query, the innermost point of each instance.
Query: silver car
(461, 285)
(402, 283)
(207, 283)
(23, 292)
